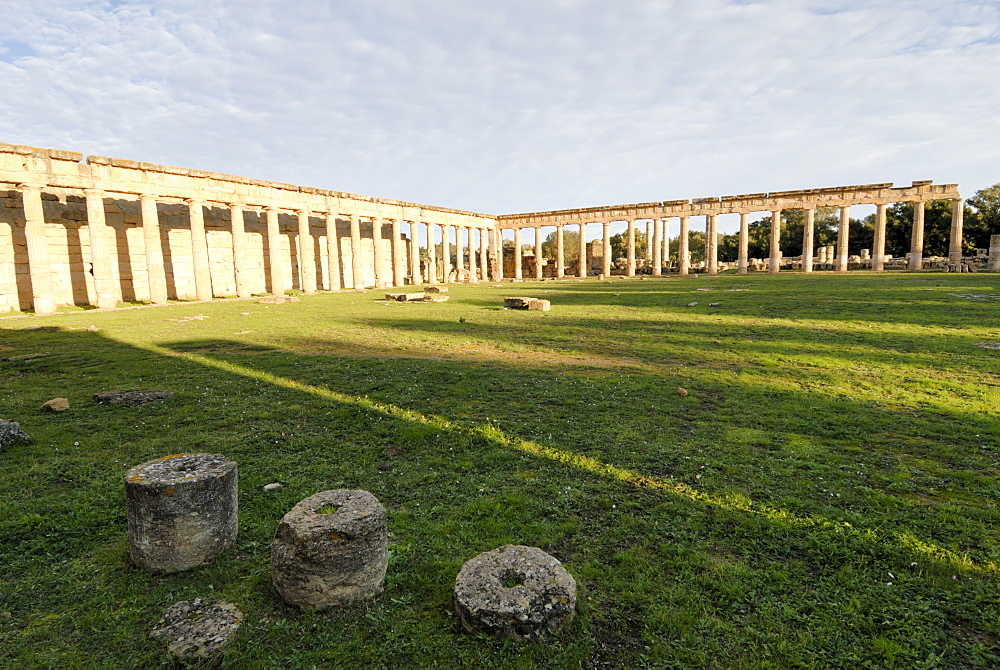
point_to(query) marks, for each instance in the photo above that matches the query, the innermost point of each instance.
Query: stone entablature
(838, 196)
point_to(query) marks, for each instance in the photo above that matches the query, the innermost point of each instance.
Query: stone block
(11, 434)
(197, 629)
(436, 289)
(331, 549)
(182, 511)
(405, 297)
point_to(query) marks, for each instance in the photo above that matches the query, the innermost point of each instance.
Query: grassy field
(825, 496)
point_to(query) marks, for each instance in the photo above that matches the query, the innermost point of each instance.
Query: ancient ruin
(182, 511)
(197, 629)
(98, 231)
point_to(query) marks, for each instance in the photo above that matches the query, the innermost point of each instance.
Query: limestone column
(581, 263)
(842, 233)
(484, 254)
(459, 253)
(398, 254)
(878, 240)
(631, 248)
(665, 243)
(712, 243)
(649, 241)
(538, 253)
(332, 253)
(807, 240)
(432, 274)
(42, 296)
(378, 250)
(744, 243)
(955, 245)
(657, 247)
(199, 250)
(357, 269)
(241, 264)
(473, 272)
(100, 254)
(517, 254)
(993, 260)
(917, 238)
(415, 274)
(156, 276)
(560, 251)
(496, 255)
(775, 264)
(606, 248)
(307, 254)
(683, 249)
(446, 252)
(273, 251)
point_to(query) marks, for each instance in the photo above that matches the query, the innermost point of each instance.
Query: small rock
(714, 304)
(197, 628)
(437, 289)
(244, 313)
(384, 467)
(692, 304)
(56, 405)
(92, 329)
(276, 486)
(131, 398)
(11, 434)
(703, 289)
(682, 392)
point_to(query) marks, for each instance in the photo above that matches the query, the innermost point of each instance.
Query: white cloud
(516, 105)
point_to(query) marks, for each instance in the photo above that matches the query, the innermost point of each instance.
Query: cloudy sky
(507, 106)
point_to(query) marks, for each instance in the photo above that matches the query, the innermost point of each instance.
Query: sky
(507, 106)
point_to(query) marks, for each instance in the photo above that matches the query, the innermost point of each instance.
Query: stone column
(415, 275)
(606, 248)
(484, 254)
(517, 254)
(241, 264)
(378, 250)
(357, 269)
(955, 244)
(156, 276)
(42, 296)
(712, 243)
(665, 243)
(993, 261)
(775, 264)
(649, 241)
(199, 250)
(446, 252)
(917, 238)
(538, 253)
(497, 253)
(100, 255)
(842, 233)
(684, 249)
(473, 272)
(307, 254)
(332, 252)
(744, 243)
(657, 247)
(459, 253)
(273, 250)
(581, 263)
(398, 254)
(432, 255)
(878, 240)
(631, 248)
(560, 251)
(807, 240)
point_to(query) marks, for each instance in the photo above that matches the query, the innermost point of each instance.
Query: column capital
(94, 192)
(195, 201)
(30, 187)
(145, 197)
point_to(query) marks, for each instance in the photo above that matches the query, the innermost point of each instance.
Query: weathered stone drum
(331, 549)
(182, 511)
(515, 591)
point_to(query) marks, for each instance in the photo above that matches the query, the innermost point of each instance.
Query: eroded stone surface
(405, 297)
(514, 591)
(521, 302)
(182, 510)
(194, 629)
(56, 405)
(11, 434)
(331, 549)
(131, 398)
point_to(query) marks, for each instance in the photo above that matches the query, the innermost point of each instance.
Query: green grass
(825, 496)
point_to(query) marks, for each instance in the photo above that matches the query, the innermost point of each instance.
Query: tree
(619, 245)
(982, 217)
(571, 246)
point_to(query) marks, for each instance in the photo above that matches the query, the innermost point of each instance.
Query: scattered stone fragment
(703, 289)
(244, 313)
(131, 398)
(682, 392)
(714, 304)
(182, 511)
(515, 591)
(197, 629)
(435, 298)
(92, 329)
(737, 289)
(539, 306)
(527, 303)
(439, 289)
(331, 549)
(988, 345)
(405, 297)
(692, 304)
(278, 299)
(276, 486)
(56, 405)
(11, 434)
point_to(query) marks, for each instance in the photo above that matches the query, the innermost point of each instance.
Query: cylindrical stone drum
(331, 549)
(182, 511)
